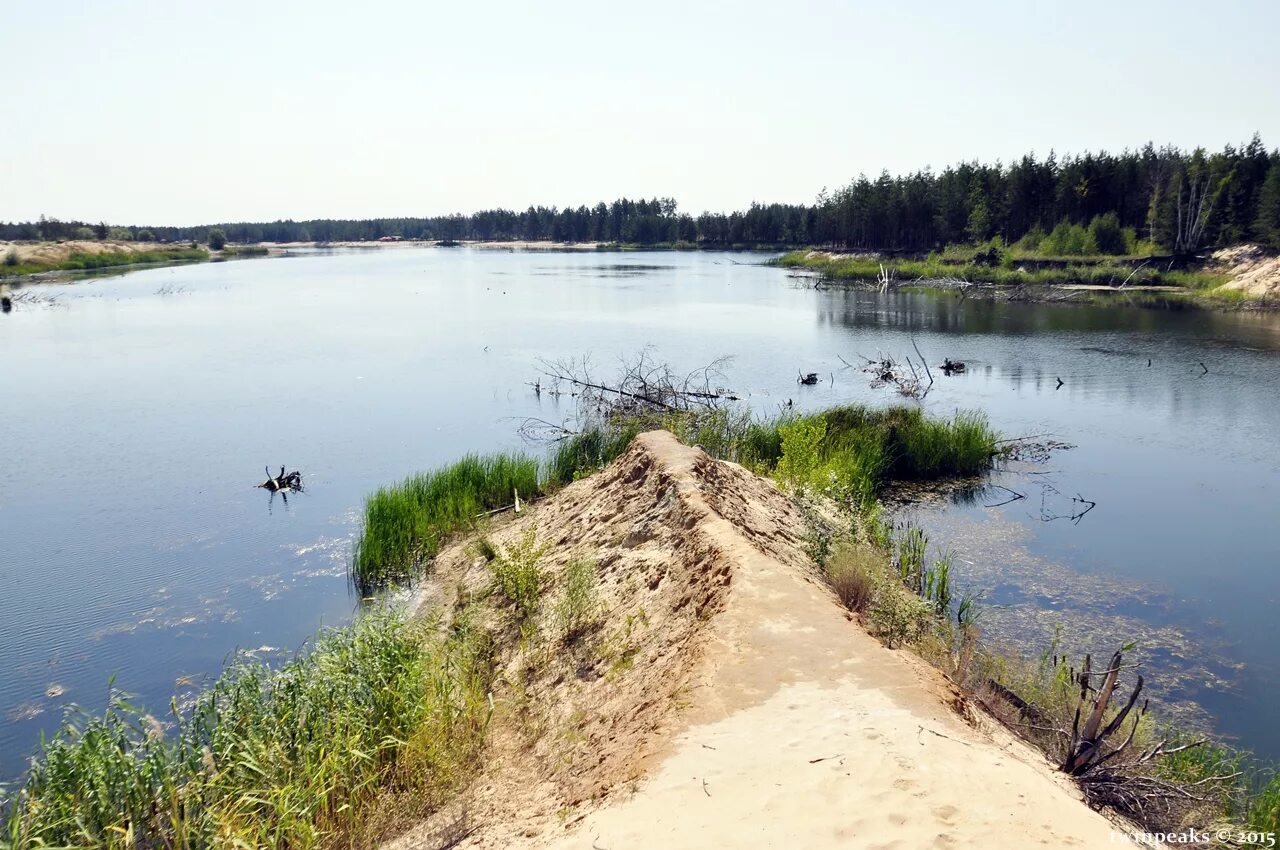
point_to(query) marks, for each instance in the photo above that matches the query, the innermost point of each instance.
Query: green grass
(312, 755)
(518, 574)
(851, 451)
(405, 523)
(82, 261)
(855, 451)
(1264, 809)
(1102, 272)
(232, 251)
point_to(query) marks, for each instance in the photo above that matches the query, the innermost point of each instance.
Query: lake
(139, 411)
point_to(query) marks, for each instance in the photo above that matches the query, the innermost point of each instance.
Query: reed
(405, 523)
(295, 757)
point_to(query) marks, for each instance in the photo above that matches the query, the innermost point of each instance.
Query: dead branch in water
(290, 482)
(905, 376)
(643, 385)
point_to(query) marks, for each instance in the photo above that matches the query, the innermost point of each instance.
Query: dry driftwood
(1086, 750)
(910, 379)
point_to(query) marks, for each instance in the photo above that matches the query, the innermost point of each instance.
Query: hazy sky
(192, 112)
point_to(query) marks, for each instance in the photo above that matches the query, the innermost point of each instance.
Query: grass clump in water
(405, 523)
(849, 452)
(311, 755)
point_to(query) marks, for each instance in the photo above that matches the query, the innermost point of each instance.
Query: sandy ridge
(773, 719)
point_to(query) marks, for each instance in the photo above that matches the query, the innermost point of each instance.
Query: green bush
(518, 574)
(801, 440)
(1068, 240)
(217, 239)
(1031, 241)
(896, 615)
(1107, 235)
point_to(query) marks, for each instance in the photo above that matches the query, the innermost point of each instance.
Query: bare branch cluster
(641, 386)
(911, 379)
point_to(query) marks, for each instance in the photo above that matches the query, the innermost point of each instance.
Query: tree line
(1153, 199)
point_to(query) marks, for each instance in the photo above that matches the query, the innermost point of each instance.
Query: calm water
(138, 412)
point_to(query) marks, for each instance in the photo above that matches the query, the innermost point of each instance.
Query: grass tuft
(851, 571)
(578, 607)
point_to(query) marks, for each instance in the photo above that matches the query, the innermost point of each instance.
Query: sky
(185, 113)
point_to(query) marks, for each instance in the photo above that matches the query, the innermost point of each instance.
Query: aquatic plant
(1264, 808)
(309, 755)
(848, 452)
(405, 523)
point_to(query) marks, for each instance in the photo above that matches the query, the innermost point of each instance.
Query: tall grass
(847, 452)
(405, 523)
(1264, 809)
(851, 449)
(297, 757)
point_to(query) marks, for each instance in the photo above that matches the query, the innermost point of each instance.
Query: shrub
(1030, 241)
(800, 440)
(217, 239)
(11, 258)
(897, 616)
(518, 574)
(1068, 240)
(1107, 235)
